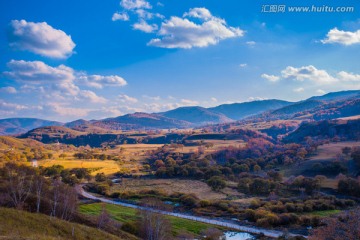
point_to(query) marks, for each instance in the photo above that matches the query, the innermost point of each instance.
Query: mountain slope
(196, 115)
(239, 111)
(334, 96)
(12, 126)
(140, 120)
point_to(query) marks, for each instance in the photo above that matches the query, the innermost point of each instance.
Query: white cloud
(348, 77)
(135, 4)
(320, 91)
(271, 78)
(242, 65)
(188, 102)
(143, 14)
(120, 16)
(10, 90)
(145, 27)
(60, 82)
(127, 99)
(214, 99)
(299, 90)
(99, 81)
(256, 99)
(201, 13)
(37, 72)
(251, 43)
(64, 110)
(40, 38)
(92, 97)
(342, 37)
(183, 33)
(308, 73)
(155, 98)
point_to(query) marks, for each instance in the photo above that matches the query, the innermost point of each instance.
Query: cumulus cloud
(213, 99)
(351, 77)
(127, 99)
(342, 37)
(40, 38)
(99, 81)
(299, 90)
(10, 90)
(256, 99)
(251, 43)
(271, 78)
(120, 16)
(308, 73)
(60, 81)
(242, 65)
(92, 97)
(135, 4)
(188, 102)
(145, 27)
(144, 14)
(320, 91)
(179, 32)
(201, 13)
(155, 98)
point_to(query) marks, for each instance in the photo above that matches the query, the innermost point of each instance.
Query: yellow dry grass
(200, 189)
(106, 166)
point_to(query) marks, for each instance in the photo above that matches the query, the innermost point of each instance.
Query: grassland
(106, 166)
(169, 186)
(124, 215)
(16, 225)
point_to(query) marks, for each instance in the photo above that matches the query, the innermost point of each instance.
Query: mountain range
(329, 106)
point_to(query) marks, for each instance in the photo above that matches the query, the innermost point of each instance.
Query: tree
(216, 183)
(19, 183)
(345, 226)
(104, 217)
(153, 225)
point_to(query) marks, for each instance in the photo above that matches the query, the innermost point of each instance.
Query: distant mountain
(13, 126)
(141, 121)
(51, 134)
(335, 96)
(238, 111)
(196, 115)
(297, 108)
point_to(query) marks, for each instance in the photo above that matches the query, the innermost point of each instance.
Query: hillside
(342, 129)
(16, 224)
(239, 111)
(7, 142)
(140, 121)
(51, 134)
(196, 115)
(334, 96)
(12, 126)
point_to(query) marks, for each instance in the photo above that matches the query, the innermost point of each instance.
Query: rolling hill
(141, 121)
(13, 126)
(238, 111)
(196, 115)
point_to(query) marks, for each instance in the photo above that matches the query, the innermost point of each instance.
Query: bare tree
(39, 187)
(55, 200)
(103, 218)
(345, 226)
(153, 225)
(19, 183)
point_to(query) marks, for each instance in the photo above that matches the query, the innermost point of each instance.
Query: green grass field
(124, 215)
(19, 225)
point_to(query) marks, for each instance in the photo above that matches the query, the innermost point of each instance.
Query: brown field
(199, 188)
(328, 152)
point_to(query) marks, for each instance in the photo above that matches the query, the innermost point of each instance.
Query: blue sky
(64, 60)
